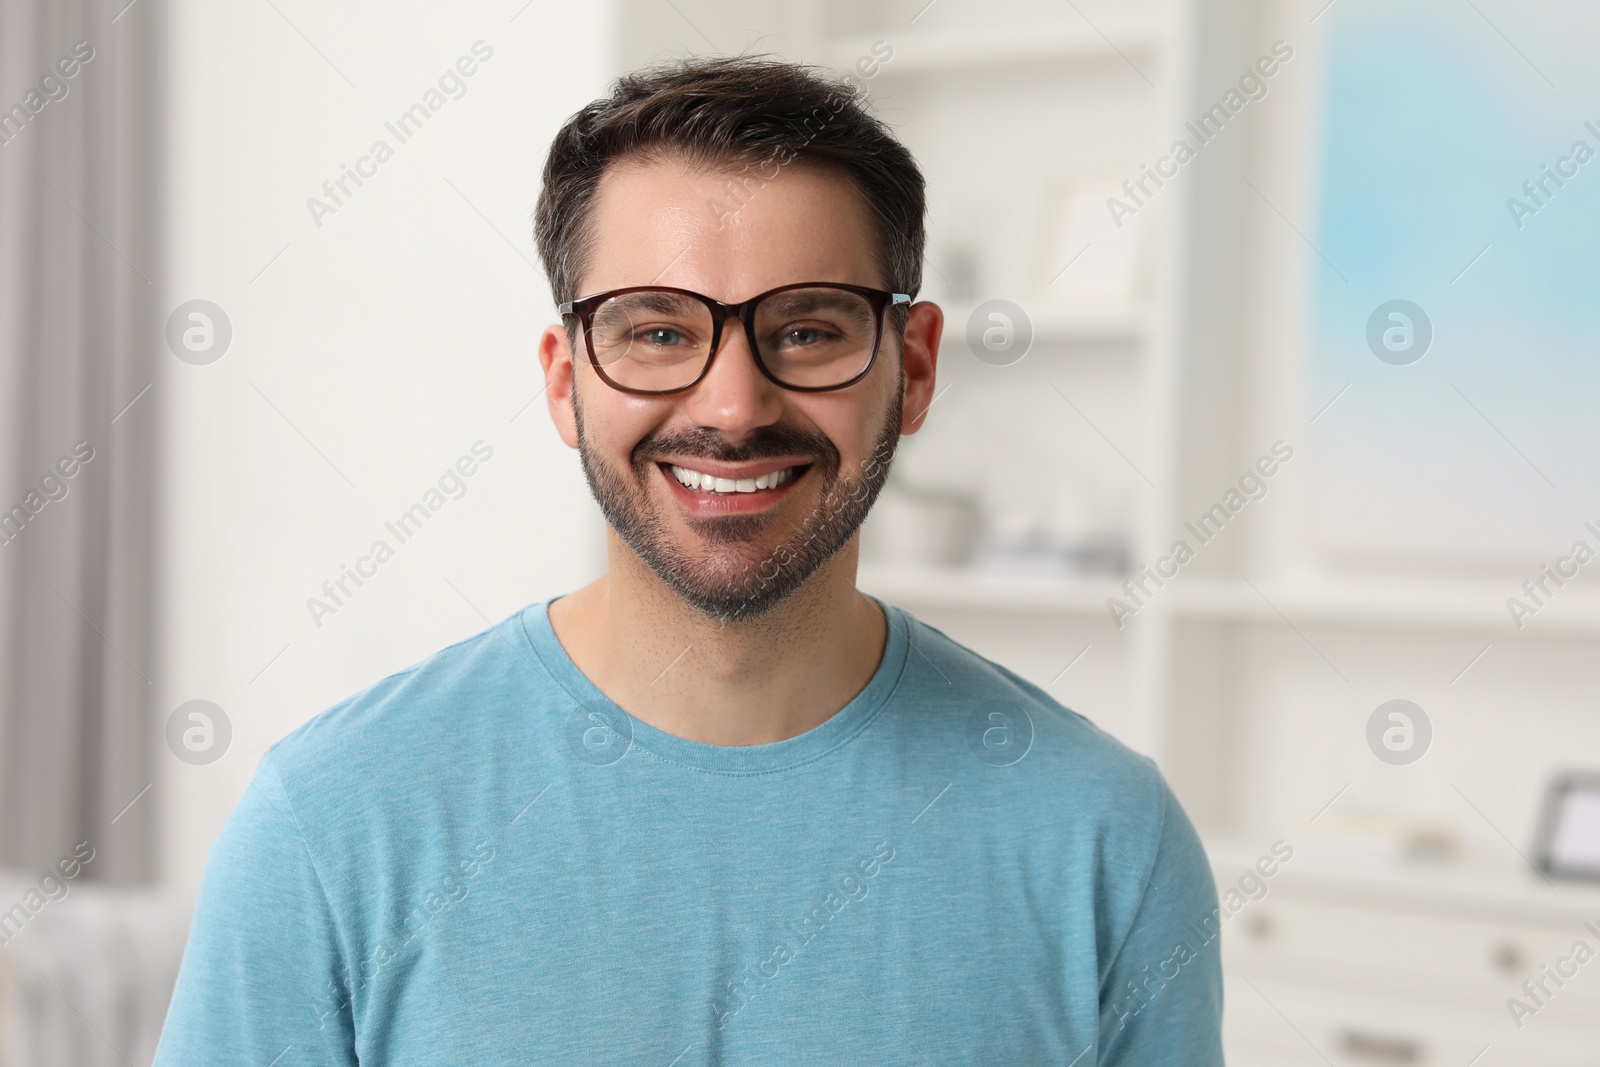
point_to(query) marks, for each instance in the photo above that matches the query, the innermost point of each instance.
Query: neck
(747, 682)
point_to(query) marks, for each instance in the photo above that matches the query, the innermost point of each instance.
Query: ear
(555, 358)
(920, 356)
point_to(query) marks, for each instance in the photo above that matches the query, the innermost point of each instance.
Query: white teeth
(701, 482)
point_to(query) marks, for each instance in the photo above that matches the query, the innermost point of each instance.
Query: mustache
(765, 443)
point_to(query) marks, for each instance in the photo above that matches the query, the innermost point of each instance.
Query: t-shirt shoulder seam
(472, 638)
(1163, 803)
(1033, 692)
(270, 767)
(369, 691)
(487, 631)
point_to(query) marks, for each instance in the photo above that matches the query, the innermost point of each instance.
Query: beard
(737, 579)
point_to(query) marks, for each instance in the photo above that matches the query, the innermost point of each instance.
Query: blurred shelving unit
(1128, 325)
(1442, 607)
(1003, 107)
(966, 588)
(1251, 674)
(1454, 952)
(997, 44)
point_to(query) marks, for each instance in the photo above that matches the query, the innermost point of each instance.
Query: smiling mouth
(701, 482)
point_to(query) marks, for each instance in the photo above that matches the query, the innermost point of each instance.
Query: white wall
(371, 353)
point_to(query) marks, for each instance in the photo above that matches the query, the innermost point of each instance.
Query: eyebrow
(656, 301)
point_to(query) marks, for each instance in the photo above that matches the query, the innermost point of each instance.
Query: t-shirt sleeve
(1161, 1001)
(262, 977)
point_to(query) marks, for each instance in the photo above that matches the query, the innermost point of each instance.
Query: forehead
(728, 230)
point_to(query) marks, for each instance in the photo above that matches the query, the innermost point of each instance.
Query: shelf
(1051, 326)
(922, 52)
(951, 587)
(1438, 605)
(1435, 607)
(1325, 870)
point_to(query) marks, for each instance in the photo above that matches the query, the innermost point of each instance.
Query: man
(717, 807)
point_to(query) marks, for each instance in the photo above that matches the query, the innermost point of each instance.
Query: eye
(662, 336)
(801, 336)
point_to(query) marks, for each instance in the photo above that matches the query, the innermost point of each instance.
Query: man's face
(732, 555)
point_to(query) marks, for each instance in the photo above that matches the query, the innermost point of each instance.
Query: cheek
(612, 424)
(856, 428)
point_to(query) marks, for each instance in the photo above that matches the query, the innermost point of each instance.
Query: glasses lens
(816, 337)
(651, 340)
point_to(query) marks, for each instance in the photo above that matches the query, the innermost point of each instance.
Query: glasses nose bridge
(724, 313)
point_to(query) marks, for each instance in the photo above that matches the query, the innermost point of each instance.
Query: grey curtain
(79, 144)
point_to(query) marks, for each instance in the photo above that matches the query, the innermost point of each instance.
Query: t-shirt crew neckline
(816, 742)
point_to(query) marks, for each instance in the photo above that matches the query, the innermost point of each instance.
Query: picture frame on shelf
(1089, 262)
(1568, 845)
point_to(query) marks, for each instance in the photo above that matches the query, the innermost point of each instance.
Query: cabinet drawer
(1278, 1023)
(1411, 953)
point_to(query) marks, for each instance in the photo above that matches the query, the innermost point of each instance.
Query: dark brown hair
(751, 110)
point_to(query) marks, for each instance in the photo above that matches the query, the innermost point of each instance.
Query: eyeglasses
(810, 337)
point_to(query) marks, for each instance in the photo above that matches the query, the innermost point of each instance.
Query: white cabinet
(1409, 965)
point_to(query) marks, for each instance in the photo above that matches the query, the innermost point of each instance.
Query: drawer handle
(1379, 1048)
(1507, 958)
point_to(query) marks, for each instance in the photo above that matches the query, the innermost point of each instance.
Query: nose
(734, 397)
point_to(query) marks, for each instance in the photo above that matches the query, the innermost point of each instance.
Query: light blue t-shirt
(483, 860)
